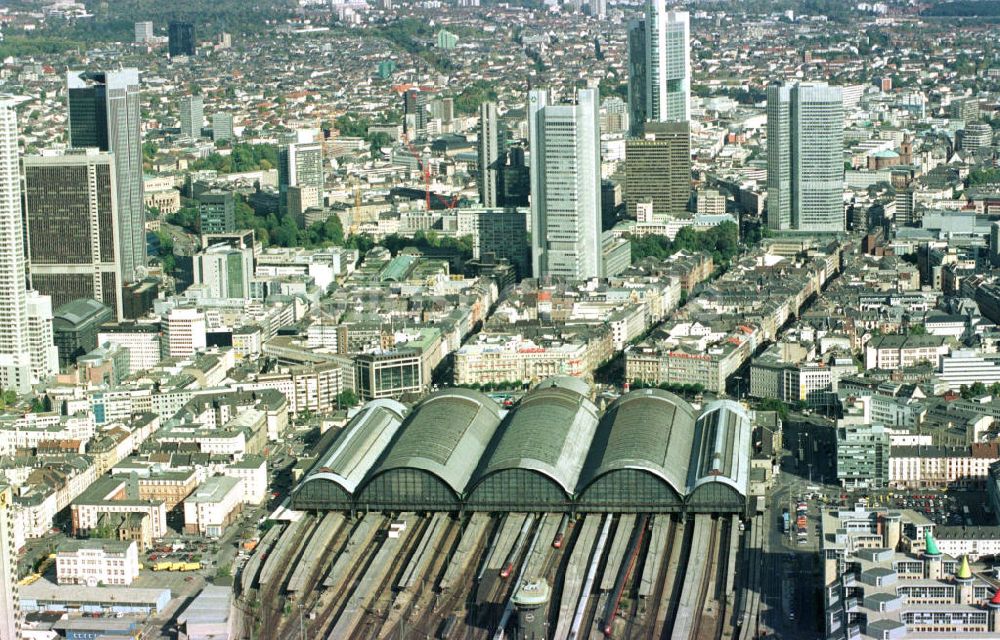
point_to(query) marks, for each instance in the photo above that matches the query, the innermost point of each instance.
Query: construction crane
(425, 169)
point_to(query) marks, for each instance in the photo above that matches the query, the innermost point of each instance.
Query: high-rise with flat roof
(300, 165)
(415, 113)
(805, 158)
(143, 32)
(217, 212)
(222, 126)
(70, 209)
(565, 185)
(181, 39)
(490, 148)
(104, 113)
(636, 76)
(192, 116)
(658, 168)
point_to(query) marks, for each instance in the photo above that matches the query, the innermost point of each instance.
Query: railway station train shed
(650, 452)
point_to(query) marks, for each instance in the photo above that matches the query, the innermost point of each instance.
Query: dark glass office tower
(104, 113)
(181, 35)
(69, 208)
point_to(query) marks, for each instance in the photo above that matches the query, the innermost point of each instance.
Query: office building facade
(143, 32)
(73, 228)
(222, 126)
(192, 116)
(415, 113)
(225, 272)
(181, 39)
(104, 112)
(660, 65)
(658, 168)
(300, 165)
(565, 185)
(217, 212)
(490, 149)
(805, 162)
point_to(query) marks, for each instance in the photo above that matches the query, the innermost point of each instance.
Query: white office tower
(668, 64)
(185, 332)
(10, 610)
(805, 158)
(143, 32)
(44, 353)
(489, 154)
(565, 185)
(192, 116)
(15, 357)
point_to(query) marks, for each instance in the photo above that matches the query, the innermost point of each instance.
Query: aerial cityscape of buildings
(462, 319)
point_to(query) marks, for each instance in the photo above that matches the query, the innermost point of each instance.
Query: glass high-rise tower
(659, 66)
(104, 113)
(565, 185)
(805, 157)
(490, 146)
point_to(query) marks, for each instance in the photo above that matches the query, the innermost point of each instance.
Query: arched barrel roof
(648, 430)
(549, 432)
(445, 436)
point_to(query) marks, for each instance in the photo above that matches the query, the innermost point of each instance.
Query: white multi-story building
(898, 351)
(192, 116)
(143, 32)
(185, 332)
(495, 359)
(213, 506)
(15, 354)
(966, 367)
(565, 186)
(224, 271)
(44, 353)
(941, 467)
(97, 562)
(10, 610)
(252, 471)
(141, 340)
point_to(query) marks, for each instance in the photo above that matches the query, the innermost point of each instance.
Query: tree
(347, 398)
(978, 390)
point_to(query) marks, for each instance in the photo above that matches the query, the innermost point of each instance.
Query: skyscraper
(565, 185)
(636, 76)
(415, 113)
(10, 611)
(805, 163)
(658, 168)
(181, 37)
(70, 209)
(659, 64)
(673, 85)
(104, 113)
(490, 147)
(301, 164)
(192, 116)
(15, 362)
(41, 337)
